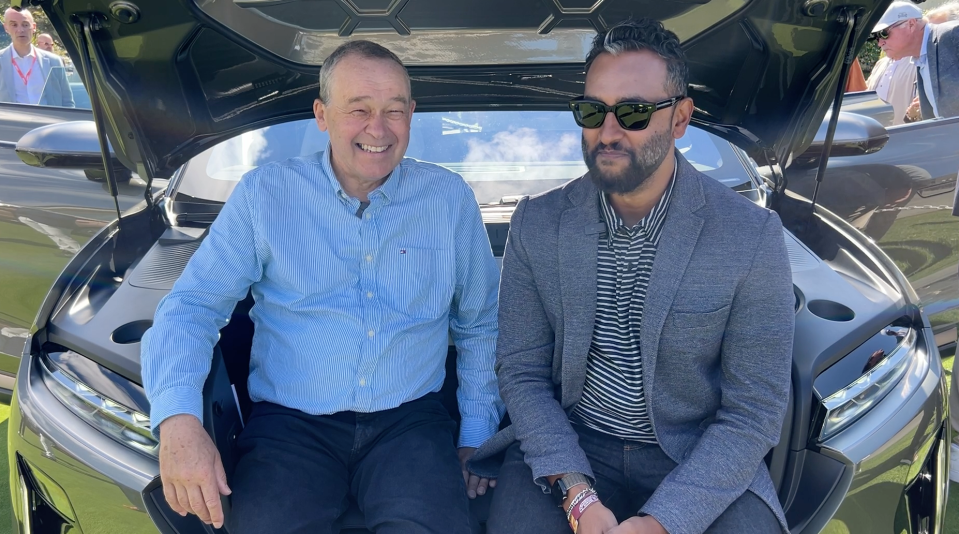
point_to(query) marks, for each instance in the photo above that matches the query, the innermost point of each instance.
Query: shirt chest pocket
(418, 282)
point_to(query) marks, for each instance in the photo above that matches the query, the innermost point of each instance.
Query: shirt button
(363, 382)
(370, 333)
(369, 294)
(369, 257)
(369, 215)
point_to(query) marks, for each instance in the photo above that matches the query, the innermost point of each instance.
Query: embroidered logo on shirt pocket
(419, 281)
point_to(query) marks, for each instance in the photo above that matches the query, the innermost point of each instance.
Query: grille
(162, 265)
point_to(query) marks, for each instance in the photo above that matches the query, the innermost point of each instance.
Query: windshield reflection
(501, 154)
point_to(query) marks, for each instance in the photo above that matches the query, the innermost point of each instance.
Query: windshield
(501, 154)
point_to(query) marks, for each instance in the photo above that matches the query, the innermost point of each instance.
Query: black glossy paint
(177, 81)
(902, 198)
(46, 216)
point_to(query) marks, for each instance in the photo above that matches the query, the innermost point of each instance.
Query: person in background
(895, 83)
(29, 75)
(45, 42)
(855, 81)
(902, 32)
(947, 12)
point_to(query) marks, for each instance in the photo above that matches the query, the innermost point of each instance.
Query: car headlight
(850, 403)
(126, 425)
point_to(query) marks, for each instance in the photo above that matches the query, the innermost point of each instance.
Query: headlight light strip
(849, 404)
(127, 426)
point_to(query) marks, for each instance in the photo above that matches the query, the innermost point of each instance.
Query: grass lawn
(6, 513)
(952, 510)
(923, 244)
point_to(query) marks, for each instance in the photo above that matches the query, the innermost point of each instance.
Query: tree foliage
(868, 56)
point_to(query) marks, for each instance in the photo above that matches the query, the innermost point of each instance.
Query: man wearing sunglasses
(934, 48)
(646, 324)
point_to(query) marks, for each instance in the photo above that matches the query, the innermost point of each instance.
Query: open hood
(177, 76)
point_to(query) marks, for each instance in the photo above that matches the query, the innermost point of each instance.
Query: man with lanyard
(29, 75)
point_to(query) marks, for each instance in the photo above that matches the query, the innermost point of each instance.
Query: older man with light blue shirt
(361, 264)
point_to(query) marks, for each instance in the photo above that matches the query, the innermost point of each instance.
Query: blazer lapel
(579, 233)
(676, 243)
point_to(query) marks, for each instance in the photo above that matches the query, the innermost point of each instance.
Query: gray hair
(645, 34)
(950, 10)
(361, 48)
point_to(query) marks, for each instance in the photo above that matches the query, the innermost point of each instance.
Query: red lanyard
(24, 77)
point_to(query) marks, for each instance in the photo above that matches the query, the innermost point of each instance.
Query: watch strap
(570, 480)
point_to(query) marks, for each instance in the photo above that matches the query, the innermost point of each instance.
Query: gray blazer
(716, 341)
(942, 51)
(56, 89)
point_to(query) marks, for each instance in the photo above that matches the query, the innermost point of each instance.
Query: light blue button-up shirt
(923, 64)
(351, 313)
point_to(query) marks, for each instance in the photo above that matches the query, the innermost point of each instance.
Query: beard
(643, 162)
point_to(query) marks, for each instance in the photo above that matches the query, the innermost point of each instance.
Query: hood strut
(87, 22)
(849, 18)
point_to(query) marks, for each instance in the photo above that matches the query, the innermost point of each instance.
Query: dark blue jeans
(298, 472)
(627, 473)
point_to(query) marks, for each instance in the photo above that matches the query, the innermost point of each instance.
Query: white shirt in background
(31, 92)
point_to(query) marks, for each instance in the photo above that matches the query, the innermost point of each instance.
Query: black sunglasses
(884, 33)
(630, 115)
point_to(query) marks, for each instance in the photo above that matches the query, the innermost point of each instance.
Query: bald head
(20, 26)
(45, 42)
(13, 14)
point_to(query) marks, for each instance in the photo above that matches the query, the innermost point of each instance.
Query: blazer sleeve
(524, 365)
(756, 362)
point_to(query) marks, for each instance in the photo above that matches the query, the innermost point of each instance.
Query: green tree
(868, 56)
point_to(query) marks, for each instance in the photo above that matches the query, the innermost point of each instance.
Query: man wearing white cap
(902, 32)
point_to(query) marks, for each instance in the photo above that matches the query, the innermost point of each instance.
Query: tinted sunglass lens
(633, 117)
(589, 115)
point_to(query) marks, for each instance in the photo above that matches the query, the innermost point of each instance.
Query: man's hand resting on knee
(474, 485)
(191, 470)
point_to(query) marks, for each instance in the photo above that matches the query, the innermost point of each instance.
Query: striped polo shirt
(613, 399)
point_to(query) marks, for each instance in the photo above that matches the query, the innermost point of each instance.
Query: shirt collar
(33, 52)
(650, 226)
(387, 190)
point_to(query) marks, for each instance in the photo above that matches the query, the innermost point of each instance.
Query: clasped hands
(597, 519)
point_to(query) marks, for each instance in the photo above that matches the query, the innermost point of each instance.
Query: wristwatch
(560, 488)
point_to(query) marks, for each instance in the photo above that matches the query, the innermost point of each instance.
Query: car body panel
(902, 197)
(46, 216)
(183, 76)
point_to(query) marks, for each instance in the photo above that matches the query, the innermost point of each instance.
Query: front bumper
(888, 471)
(62, 470)
(883, 474)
